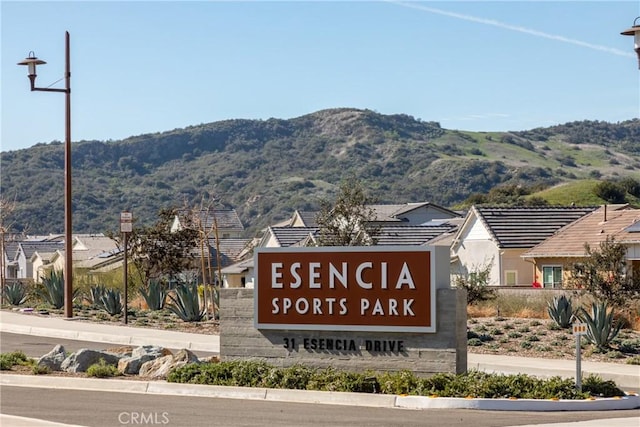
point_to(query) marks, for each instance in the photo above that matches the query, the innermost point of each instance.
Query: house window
(552, 276)
(511, 278)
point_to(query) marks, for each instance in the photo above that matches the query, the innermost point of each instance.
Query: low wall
(423, 353)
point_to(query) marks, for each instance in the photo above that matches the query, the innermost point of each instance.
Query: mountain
(267, 168)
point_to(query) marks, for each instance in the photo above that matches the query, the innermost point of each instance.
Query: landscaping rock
(140, 355)
(151, 350)
(160, 368)
(124, 350)
(83, 358)
(53, 360)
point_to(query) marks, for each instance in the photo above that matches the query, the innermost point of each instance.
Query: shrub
(476, 284)
(635, 360)
(472, 383)
(9, 360)
(596, 386)
(15, 293)
(629, 346)
(474, 342)
(102, 370)
(40, 369)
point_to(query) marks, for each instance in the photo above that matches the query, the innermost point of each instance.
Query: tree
(606, 275)
(475, 282)
(157, 252)
(203, 220)
(349, 220)
(611, 192)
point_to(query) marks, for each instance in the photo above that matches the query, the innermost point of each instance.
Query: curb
(320, 397)
(107, 338)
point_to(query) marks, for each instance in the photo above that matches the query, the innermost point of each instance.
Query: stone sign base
(422, 353)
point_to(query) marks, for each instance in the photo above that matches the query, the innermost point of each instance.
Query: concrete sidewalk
(626, 376)
(76, 329)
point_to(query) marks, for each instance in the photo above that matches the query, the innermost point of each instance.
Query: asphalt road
(108, 409)
(100, 409)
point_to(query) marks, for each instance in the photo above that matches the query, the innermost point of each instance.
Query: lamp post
(31, 62)
(635, 32)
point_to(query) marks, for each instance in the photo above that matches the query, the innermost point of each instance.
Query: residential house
(9, 263)
(552, 259)
(412, 213)
(22, 264)
(90, 251)
(496, 237)
(226, 221)
(399, 224)
(41, 262)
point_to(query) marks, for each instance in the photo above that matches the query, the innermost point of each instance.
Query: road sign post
(126, 227)
(579, 329)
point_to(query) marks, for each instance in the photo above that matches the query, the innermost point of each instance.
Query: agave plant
(15, 293)
(111, 302)
(52, 289)
(95, 294)
(601, 327)
(155, 295)
(185, 302)
(561, 311)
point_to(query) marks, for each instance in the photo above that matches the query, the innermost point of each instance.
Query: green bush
(9, 360)
(40, 370)
(472, 383)
(102, 370)
(596, 386)
(635, 360)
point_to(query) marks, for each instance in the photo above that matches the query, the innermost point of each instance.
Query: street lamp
(635, 32)
(31, 62)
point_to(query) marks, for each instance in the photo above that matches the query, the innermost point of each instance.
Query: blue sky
(151, 66)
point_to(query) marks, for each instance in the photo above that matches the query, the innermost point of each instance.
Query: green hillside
(267, 168)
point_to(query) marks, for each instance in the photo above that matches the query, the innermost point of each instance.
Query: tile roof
(288, 236)
(394, 235)
(308, 218)
(525, 227)
(227, 219)
(231, 248)
(29, 248)
(591, 229)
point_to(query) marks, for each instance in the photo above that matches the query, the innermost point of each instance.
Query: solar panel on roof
(633, 228)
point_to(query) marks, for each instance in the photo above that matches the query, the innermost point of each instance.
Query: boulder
(83, 358)
(53, 360)
(140, 355)
(159, 368)
(150, 350)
